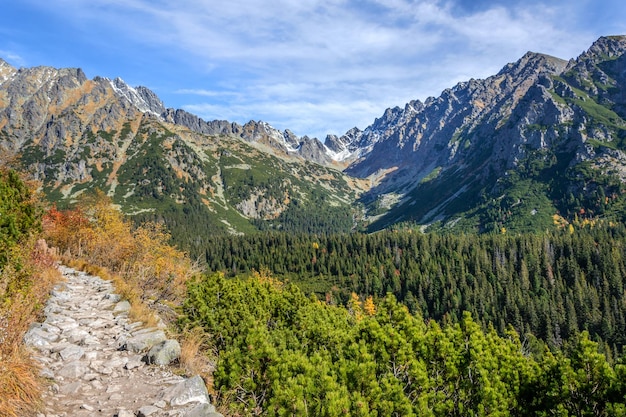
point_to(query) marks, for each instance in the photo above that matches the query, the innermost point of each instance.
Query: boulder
(114, 298)
(187, 391)
(121, 307)
(203, 410)
(164, 353)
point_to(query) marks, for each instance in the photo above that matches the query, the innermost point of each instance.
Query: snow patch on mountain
(142, 98)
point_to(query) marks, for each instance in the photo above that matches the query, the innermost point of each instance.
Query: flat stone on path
(124, 413)
(72, 353)
(147, 410)
(73, 370)
(144, 341)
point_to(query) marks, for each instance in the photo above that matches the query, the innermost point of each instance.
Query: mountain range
(539, 143)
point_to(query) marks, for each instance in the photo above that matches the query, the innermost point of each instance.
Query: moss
(58, 157)
(534, 127)
(126, 130)
(108, 136)
(431, 175)
(32, 154)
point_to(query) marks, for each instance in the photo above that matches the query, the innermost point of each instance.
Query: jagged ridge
(438, 160)
(455, 151)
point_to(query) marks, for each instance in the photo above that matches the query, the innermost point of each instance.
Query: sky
(311, 66)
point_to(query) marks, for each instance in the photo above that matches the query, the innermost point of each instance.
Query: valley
(463, 255)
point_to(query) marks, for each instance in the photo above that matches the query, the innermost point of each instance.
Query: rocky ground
(97, 360)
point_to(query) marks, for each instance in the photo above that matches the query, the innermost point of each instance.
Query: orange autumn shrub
(97, 232)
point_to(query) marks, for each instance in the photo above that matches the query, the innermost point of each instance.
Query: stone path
(95, 358)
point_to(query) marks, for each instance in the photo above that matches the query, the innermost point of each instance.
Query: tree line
(549, 286)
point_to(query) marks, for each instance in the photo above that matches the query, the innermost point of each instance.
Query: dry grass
(148, 267)
(20, 384)
(193, 356)
(140, 312)
(192, 361)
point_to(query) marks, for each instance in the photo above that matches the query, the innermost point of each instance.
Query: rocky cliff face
(424, 135)
(451, 153)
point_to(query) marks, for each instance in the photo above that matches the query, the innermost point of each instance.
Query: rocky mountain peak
(606, 47)
(421, 136)
(313, 150)
(141, 97)
(533, 62)
(32, 97)
(344, 147)
(6, 70)
(355, 144)
(264, 133)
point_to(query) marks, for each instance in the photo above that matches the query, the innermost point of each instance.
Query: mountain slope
(541, 141)
(76, 135)
(542, 136)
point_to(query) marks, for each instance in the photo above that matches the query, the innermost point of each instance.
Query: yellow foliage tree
(264, 276)
(369, 306)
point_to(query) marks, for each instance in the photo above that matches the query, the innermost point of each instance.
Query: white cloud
(207, 93)
(326, 65)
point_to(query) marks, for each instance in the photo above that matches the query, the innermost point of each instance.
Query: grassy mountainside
(196, 184)
(77, 135)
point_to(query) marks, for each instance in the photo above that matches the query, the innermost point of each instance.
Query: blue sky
(311, 66)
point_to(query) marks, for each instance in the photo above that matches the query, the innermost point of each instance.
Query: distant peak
(5, 70)
(606, 47)
(613, 39)
(530, 55)
(536, 62)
